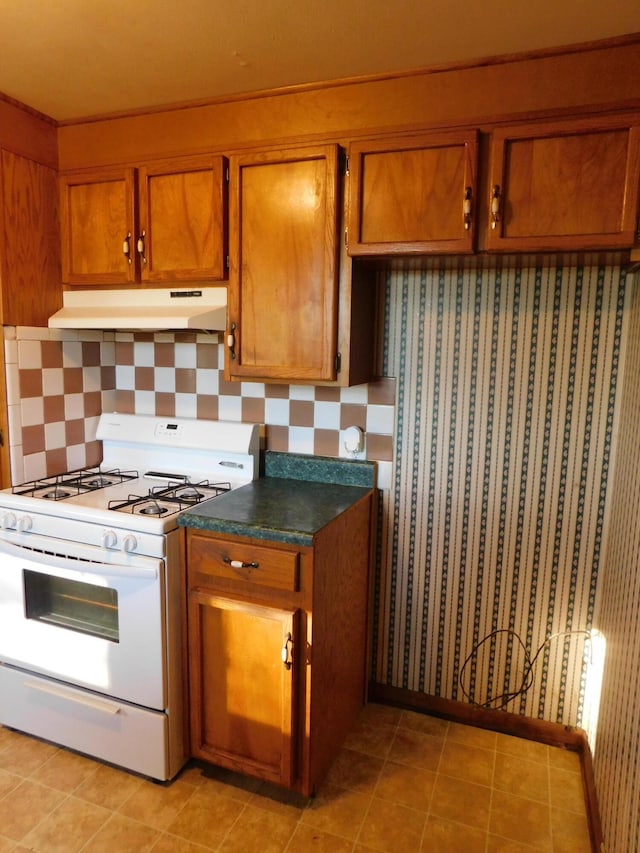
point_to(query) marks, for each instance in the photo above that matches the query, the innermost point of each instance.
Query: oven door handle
(102, 705)
(82, 564)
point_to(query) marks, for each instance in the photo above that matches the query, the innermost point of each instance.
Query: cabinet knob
(495, 206)
(286, 652)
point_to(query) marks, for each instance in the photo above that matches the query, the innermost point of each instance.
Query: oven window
(70, 604)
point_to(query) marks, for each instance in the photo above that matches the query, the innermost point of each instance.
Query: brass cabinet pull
(126, 247)
(495, 206)
(466, 208)
(231, 341)
(239, 564)
(286, 656)
(141, 247)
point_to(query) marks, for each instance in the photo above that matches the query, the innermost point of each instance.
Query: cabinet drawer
(269, 567)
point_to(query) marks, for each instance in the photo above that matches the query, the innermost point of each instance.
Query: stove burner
(153, 509)
(57, 494)
(98, 482)
(189, 494)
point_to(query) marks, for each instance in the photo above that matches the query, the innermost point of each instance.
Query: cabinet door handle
(126, 247)
(141, 247)
(231, 341)
(239, 564)
(495, 206)
(466, 208)
(286, 652)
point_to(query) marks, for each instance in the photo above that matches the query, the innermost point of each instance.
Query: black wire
(527, 675)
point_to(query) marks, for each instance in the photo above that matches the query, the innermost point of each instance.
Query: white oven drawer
(117, 732)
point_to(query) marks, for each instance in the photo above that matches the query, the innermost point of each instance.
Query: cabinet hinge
(226, 260)
(346, 165)
(338, 362)
(226, 174)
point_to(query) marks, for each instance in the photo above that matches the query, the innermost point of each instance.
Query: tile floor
(404, 782)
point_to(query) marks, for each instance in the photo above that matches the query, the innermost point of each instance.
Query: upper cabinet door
(413, 195)
(98, 224)
(569, 185)
(182, 220)
(29, 242)
(283, 276)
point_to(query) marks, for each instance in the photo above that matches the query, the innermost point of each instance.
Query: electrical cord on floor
(527, 677)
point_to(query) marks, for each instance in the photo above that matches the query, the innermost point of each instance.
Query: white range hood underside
(137, 308)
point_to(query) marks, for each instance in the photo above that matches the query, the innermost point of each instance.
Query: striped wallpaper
(617, 747)
(495, 521)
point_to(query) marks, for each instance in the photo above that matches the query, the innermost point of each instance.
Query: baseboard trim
(542, 731)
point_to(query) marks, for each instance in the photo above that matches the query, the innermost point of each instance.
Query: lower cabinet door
(241, 676)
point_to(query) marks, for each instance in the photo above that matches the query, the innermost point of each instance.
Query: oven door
(85, 615)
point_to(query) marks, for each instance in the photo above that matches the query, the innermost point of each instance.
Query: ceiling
(73, 59)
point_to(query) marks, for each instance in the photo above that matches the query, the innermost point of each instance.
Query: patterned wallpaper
(617, 747)
(495, 522)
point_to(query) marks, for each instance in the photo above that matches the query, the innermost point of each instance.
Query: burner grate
(166, 500)
(62, 486)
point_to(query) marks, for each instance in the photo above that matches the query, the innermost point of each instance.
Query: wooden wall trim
(542, 731)
(600, 44)
(596, 78)
(25, 132)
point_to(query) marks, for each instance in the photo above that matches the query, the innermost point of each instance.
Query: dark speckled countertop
(295, 499)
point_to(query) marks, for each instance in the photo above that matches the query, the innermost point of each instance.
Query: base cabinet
(241, 685)
(278, 648)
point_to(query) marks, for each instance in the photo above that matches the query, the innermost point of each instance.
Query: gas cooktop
(152, 469)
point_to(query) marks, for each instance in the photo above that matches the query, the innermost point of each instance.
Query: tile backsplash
(58, 383)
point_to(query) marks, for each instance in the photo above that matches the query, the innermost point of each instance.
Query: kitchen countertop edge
(298, 497)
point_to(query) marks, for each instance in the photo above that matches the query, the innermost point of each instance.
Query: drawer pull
(238, 564)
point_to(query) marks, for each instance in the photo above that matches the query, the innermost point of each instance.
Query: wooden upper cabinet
(164, 222)
(98, 220)
(413, 195)
(283, 276)
(569, 185)
(182, 220)
(30, 285)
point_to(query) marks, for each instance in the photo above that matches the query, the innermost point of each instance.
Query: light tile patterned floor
(404, 782)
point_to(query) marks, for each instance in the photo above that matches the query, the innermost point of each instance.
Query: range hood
(137, 308)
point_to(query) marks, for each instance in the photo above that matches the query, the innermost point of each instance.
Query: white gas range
(92, 586)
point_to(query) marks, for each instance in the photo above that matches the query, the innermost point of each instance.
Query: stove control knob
(8, 521)
(109, 539)
(24, 523)
(130, 543)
